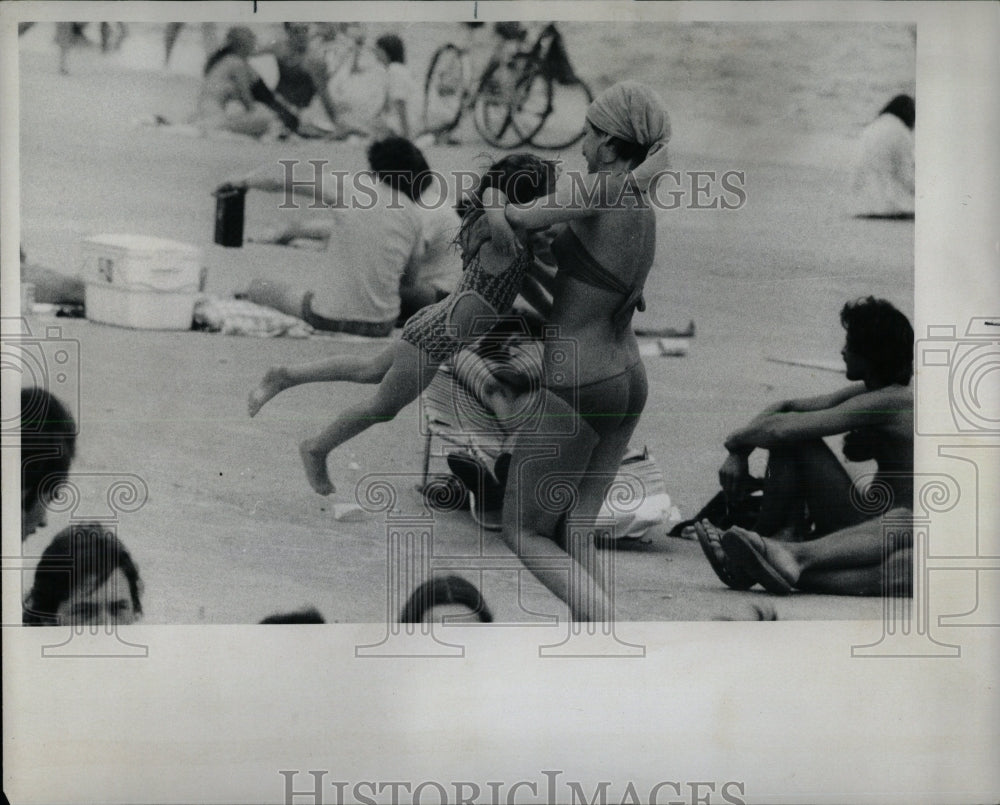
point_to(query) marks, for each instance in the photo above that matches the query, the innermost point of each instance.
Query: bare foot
(315, 465)
(275, 381)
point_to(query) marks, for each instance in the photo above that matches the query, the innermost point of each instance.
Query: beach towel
(242, 317)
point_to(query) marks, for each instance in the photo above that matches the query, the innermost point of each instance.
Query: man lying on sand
(815, 530)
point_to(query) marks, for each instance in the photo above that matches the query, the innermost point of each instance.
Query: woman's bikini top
(574, 260)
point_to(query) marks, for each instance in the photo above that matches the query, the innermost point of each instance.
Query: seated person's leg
(805, 477)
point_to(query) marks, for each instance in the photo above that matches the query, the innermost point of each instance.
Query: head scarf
(635, 113)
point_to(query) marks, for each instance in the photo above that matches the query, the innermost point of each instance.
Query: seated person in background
(394, 117)
(102, 585)
(445, 597)
(303, 76)
(307, 615)
(807, 493)
(48, 444)
(233, 97)
(437, 272)
(883, 178)
(372, 243)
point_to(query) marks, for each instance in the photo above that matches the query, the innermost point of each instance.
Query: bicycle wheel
(497, 104)
(565, 123)
(444, 90)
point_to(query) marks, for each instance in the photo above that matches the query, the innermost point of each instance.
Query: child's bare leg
(401, 385)
(352, 368)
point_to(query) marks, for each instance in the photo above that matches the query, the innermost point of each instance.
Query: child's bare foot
(315, 465)
(275, 381)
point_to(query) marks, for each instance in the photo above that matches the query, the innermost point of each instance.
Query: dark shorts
(370, 329)
(611, 404)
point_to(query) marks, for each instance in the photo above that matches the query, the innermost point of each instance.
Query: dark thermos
(229, 204)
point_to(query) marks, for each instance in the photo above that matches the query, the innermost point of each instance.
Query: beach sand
(231, 532)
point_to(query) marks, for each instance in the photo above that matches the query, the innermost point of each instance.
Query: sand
(231, 532)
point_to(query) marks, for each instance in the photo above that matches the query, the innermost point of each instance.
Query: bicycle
(515, 99)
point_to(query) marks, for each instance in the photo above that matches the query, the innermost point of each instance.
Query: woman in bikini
(489, 285)
(595, 379)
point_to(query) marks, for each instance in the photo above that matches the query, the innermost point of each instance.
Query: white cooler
(141, 282)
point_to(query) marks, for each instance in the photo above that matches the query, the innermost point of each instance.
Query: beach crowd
(526, 259)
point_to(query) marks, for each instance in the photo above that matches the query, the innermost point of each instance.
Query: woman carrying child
(490, 282)
(603, 257)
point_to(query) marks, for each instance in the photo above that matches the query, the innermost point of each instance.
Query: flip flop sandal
(733, 577)
(746, 554)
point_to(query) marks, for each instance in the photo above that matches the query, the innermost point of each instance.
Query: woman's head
(903, 107)
(628, 119)
(520, 177)
(390, 49)
(400, 164)
(445, 596)
(241, 41)
(48, 443)
(298, 34)
(85, 576)
(879, 345)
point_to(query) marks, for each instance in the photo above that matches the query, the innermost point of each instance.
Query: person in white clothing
(883, 178)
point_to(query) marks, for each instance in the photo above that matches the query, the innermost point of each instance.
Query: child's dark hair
(881, 334)
(393, 48)
(520, 177)
(444, 590)
(633, 153)
(401, 165)
(83, 555)
(48, 442)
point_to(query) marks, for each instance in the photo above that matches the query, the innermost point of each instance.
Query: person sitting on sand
(807, 493)
(374, 238)
(433, 336)
(442, 598)
(48, 444)
(883, 178)
(233, 97)
(86, 576)
(303, 75)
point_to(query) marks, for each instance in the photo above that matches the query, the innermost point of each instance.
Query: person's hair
(633, 153)
(401, 165)
(878, 332)
(520, 177)
(48, 444)
(307, 615)
(393, 48)
(233, 36)
(83, 555)
(443, 590)
(903, 107)
(510, 31)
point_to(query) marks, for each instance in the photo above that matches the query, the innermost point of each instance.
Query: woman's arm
(575, 197)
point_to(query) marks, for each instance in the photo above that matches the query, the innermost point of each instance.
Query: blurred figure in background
(883, 178)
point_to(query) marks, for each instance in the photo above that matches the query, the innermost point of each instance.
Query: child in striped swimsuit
(431, 337)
